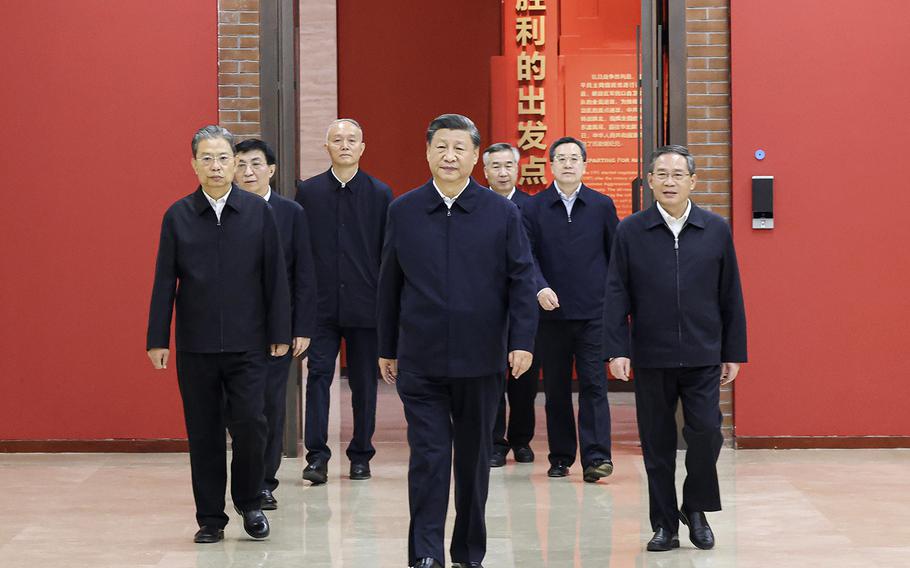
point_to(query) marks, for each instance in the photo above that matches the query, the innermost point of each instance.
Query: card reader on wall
(762, 202)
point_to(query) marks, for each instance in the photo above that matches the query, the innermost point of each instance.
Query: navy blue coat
(456, 289)
(228, 278)
(572, 253)
(347, 225)
(520, 198)
(298, 257)
(685, 303)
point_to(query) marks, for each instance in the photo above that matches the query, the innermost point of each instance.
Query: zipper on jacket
(678, 299)
(220, 294)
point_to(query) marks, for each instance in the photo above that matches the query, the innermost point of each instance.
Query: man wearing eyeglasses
(219, 259)
(255, 169)
(571, 229)
(500, 166)
(346, 209)
(674, 274)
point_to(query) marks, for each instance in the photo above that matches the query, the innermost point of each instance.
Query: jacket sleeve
(388, 296)
(617, 301)
(529, 220)
(732, 308)
(304, 318)
(610, 222)
(275, 282)
(523, 313)
(164, 288)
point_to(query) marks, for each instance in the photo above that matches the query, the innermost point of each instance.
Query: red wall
(823, 87)
(100, 101)
(398, 68)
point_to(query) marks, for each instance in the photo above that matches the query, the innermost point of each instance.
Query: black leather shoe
(523, 454)
(254, 523)
(663, 540)
(360, 471)
(269, 503)
(427, 563)
(558, 469)
(208, 534)
(700, 532)
(498, 457)
(316, 472)
(597, 470)
(467, 565)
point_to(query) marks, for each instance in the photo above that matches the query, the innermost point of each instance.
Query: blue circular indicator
(759, 154)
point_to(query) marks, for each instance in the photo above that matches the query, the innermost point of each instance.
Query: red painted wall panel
(398, 69)
(822, 87)
(99, 103)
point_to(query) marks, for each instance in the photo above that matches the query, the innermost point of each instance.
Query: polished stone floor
(794, 508)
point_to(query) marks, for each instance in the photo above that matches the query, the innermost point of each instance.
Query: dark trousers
(521, 393)
(363, 375)
(218, 390)
(276, 392)
(656, 394)
(559, 342)
(446, 413)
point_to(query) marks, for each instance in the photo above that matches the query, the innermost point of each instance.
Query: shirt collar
(669, 218)
(343, 183)
(268, 194)
(222, 199)
(449, 201)
(511, 193)
(565, 197)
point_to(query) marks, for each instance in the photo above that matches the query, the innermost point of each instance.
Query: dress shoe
(598, 469)
(663, 540)
(427, 563)
(316, 472)
(208, 534)
(523, 454)
(498, 457)
(558, 469)
(269, 503)
(360, 471)
(700, 532)
(254, 523)
(467, 565)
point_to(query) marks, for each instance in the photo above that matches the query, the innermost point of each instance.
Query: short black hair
(454, 122)
(568, 140)
(253, 144)
(673, 149)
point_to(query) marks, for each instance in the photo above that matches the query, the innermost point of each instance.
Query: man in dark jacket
(456, 295)
(500, 166)
(571, 230)
(220, 258)
(346, 209)
(674, 273)
(255, 168)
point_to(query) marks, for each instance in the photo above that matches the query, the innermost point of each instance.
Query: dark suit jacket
(298, 257)
(572, 253)
(685, 303)
(347, 225)
(520, 198)
(233, 287)
(456, 290)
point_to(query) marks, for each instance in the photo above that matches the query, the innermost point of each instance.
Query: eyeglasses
(567, 160)
(664, 176)
(208, 160)
(255, 164)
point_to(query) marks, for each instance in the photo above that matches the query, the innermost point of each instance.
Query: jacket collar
(201, 203)
(352, 184)
(653, 218)
(467, 201)
(553, 194)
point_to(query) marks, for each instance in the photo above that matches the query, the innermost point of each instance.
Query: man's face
(345, 144)
(254, 172)
(451, 155)
(568, 166)
(671, 182)
(214, 164)
(501, 170)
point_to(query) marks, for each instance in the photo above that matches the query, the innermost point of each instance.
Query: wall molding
(820, 442)
(119, 446)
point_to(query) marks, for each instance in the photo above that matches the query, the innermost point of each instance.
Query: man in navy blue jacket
(571, 230)
(220, 259)
(456, 294)
(500, 166)
(346, 209)
(673, 272)
(255, 168)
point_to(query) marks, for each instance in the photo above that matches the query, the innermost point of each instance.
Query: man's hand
(279, 349)
(388, 368)
(300, 345)
(519, 362)
(728, 372)
(159, 357)
(547, 299)
(621, 367)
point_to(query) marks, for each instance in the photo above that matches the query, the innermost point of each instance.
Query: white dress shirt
(568, 200)
(343, 183)
(450, 201)
(218, 204)
(268, 194)
(676, 225)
